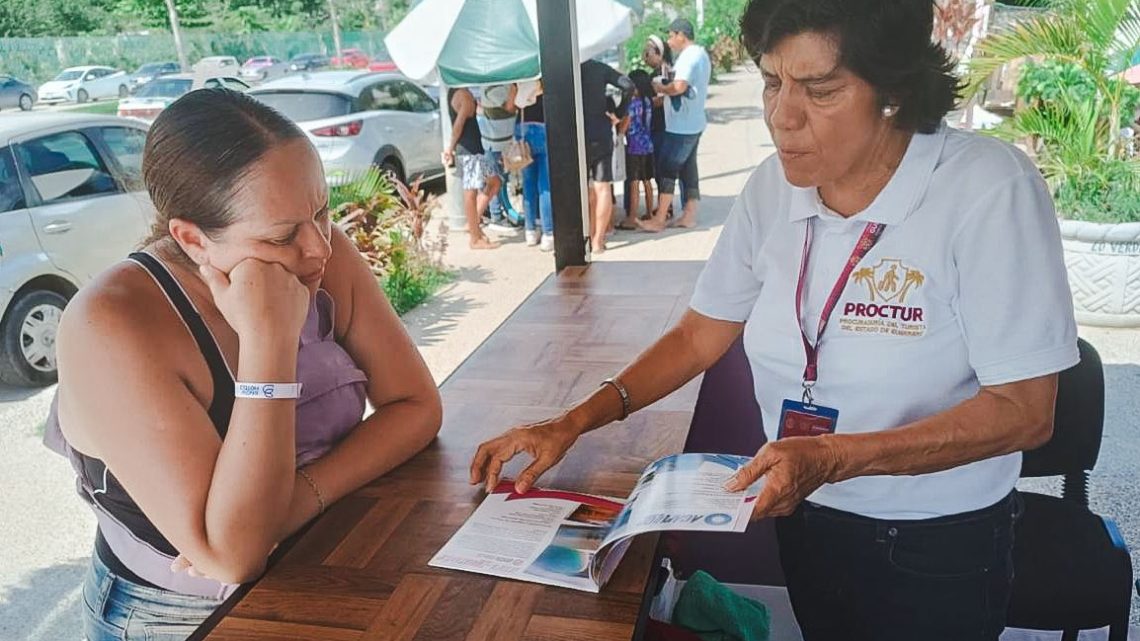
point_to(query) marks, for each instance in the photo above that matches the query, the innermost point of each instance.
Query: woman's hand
(259, 299)
(546, 442)
(792, 469)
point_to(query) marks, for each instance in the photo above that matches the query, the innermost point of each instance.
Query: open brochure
(576, 540)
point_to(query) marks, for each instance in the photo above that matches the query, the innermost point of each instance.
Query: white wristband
(270, 391)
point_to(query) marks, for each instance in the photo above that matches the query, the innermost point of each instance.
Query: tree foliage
(40, 18)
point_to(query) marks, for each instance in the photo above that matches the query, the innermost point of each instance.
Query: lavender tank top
(332, 403)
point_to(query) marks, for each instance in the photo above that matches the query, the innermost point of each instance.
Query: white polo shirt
(966, 287)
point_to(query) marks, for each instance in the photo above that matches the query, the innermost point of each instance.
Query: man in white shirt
(685, 121)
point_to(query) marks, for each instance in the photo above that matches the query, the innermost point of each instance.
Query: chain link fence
(38, 60)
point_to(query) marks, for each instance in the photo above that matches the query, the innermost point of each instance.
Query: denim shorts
(473, 171)
(115, 609)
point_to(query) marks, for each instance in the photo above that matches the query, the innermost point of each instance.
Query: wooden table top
(360, 572)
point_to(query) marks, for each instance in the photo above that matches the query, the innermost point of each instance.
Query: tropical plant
(387, 222)
(719, 34)
(1078, 103)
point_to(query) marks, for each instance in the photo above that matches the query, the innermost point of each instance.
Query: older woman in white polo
(902, 294)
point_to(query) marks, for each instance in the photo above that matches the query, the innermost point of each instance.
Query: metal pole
(566, 149)
(700, 13)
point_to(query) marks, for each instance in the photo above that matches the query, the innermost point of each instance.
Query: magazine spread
(576, 540)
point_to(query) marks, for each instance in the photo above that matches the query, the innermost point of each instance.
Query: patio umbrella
(476, 42)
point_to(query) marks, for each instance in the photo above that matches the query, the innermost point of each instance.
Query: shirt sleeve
(1014, 303)
(728, 286)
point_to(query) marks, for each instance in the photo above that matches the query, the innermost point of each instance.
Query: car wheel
(391, 169)
(81, 96)
(28, 333)
(123, 91)
(25, 102)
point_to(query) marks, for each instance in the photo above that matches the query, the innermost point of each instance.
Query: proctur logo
(889, 281)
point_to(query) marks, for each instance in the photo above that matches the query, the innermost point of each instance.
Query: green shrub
(386, 221)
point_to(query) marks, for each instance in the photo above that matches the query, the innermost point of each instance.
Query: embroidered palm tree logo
(888, 281)
(866, 276)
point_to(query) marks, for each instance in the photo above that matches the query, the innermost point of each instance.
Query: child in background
(637, 127)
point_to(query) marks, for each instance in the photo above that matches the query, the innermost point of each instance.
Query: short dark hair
(887, 43)
(198, 151)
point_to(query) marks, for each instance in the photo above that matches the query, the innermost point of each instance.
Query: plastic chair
(1072, 570)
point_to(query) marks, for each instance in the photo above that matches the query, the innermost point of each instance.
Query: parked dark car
(150, 71)
(308, 62)
(16, 93)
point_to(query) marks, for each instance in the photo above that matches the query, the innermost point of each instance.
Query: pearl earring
(890, 111)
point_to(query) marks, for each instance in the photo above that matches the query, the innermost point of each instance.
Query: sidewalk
(491, 284)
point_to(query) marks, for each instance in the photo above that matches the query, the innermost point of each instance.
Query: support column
(566, 148)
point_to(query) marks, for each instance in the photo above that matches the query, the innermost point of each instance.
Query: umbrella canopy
(476, 42)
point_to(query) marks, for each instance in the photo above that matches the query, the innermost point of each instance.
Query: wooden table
(360, 572)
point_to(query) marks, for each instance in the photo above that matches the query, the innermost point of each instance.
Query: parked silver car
(16, 93)
(71, 205)
(359, 119)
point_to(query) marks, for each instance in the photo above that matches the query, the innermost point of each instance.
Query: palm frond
(1100, 20)
(1046, 35)
(1127, 38)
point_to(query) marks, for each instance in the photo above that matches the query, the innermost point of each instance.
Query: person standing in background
(535, 176)
(497, 128)
(637, 127)
(660, 61)
(685, 121)
(596, 110)
(467, 153)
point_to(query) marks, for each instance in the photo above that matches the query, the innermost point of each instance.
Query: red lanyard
(867, 240)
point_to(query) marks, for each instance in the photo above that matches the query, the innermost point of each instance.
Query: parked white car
(71, 205)
(156, 95)
(219, 65)
(80, 84)
(360, 119)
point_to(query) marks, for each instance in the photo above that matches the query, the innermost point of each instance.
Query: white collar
(898, 198)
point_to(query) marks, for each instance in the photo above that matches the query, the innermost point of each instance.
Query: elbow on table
(233, 567)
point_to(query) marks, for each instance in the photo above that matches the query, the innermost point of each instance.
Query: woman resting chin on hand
(213, 386)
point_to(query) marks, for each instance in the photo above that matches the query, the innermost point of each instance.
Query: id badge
(804, 419)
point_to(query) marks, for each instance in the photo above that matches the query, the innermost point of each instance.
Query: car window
(65, 167)
(11, 193)
(381, 96)
(412, 98)
(126, 146)
(90, 75)
(165, 88)
(302, 106)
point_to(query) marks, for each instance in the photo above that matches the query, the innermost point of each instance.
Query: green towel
(716, 613)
